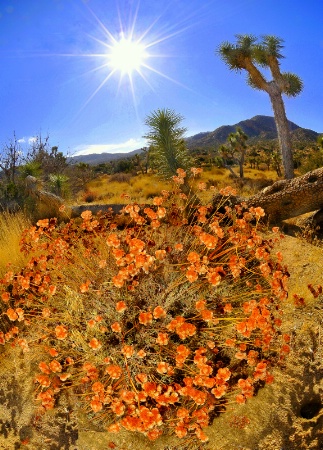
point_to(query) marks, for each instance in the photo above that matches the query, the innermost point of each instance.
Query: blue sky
(56, 66)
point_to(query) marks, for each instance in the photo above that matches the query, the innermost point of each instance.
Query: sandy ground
(286, 415)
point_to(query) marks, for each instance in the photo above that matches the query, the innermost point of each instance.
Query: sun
(127, 56)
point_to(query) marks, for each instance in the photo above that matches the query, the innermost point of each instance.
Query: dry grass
(139, 188)
(11, 227)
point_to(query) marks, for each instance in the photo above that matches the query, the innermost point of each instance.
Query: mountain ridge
(257, 128)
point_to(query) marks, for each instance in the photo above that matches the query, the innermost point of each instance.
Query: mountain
(99, 158)
(257, 128)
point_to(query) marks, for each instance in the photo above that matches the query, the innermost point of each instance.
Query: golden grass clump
(156, 327)
(11, 228)
(120, 190)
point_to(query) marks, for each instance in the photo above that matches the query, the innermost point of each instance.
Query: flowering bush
(159, 323)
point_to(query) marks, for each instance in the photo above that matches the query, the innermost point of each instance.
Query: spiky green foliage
(248, 53)
(166, 139)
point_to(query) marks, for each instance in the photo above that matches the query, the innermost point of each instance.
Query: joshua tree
(237, 141)
(166, 139)
(248, 54)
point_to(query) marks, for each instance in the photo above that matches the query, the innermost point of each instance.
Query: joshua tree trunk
(282, 129)
(287, 198)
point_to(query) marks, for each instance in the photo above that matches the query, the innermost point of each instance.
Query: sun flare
(127, 56)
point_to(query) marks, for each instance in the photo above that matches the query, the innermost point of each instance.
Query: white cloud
(30, 140)
(124, 147)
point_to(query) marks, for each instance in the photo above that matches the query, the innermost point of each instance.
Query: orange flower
(196, 170)
(145, 318)
(200, 305)
(162, 367)
(193, 257)
(141, 353)
(160, 254)
(12, 315)
(141, 378)
(214, 277)
(219, 391)
(52, 290)
(155, 223)
(95, 344)
(5, 297)
(64, 376)
(158, 201)
(85, 287)
(227, 308)
(159, 312)
(116, 327)
(61, 332)
(191, 274)
(179, 247)
(161, 212)
(44, 367)
(113, 240)
(121, 307)
(240, 399)
(181, 173)
(180, 431)
(228, 191)
(114, 428)
(177, 180)
(127, 351)
(55, 366)
(152, 435)
(91, 323)
(207, 315)
(223, 373)
(208, 240)
(53, 352)
(118, 408)
(114, 371)
(86, 215)
(96, 405)
(162, 339)
(185, 330)
(44, 223)
(97, 387)
(20, 313)
(43, 380)
(46, 312)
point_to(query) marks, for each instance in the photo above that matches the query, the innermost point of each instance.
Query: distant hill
(99, 158)
(258, 128)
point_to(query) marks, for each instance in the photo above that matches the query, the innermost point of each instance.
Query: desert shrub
(121, 177)
(156, 326)
(89, 196)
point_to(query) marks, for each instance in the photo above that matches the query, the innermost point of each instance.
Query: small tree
(248, 54)
(234, 151)
(10, 159)
(166, 139)
(237, 142)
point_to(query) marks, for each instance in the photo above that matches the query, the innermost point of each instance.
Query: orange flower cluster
(181, 327)
(168, 281)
